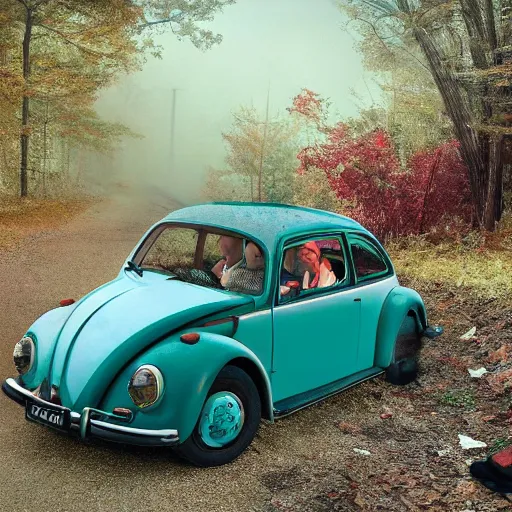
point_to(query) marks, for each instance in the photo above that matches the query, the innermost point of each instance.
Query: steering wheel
(197, 276)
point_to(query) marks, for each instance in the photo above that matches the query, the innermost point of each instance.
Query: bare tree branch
(23, 3)
(382, 39)
(76, 45)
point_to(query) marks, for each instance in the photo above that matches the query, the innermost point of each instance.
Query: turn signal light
(67, 302)
(190, 338)
(121, 411)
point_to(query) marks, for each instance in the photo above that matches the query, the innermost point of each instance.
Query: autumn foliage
(431, 191)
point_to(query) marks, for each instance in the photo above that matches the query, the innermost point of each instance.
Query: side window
(174, 247)
(212, 253)
(310, 265)
(368, 262)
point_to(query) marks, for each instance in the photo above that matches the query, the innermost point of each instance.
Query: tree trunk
(482, 155)
(476, 28)
(68, 171)
(45, 146)
(492, 188)
(25, 115)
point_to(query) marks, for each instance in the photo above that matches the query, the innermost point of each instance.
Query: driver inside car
(231, 249)
(248, 277)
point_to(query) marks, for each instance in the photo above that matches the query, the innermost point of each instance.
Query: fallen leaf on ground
(477, 374)
(408, 504)
(359, 501)
(362, 452)
(467, 443)
(499, 355)
(348, 428)
(468, 335)
(500, 381)
(466, 488)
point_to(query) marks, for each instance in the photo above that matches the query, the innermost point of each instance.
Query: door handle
(357, 300)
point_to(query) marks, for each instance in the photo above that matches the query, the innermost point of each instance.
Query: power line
(260, 173)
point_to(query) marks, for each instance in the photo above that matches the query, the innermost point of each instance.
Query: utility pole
(173, 122)
(260, 174)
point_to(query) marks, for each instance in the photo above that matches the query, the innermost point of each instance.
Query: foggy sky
(289, 44)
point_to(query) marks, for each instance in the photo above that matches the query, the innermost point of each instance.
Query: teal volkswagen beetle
(223, 314)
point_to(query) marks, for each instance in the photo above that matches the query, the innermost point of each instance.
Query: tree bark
(25, 115)
(476, 28)
(492, 190)
(481, 154)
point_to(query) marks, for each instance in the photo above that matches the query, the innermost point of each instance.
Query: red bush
(365, 172)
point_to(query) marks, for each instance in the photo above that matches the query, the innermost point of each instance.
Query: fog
(282, 44)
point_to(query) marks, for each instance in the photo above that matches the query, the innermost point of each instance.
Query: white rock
(362, 452)
(477, 374)
(467, 443)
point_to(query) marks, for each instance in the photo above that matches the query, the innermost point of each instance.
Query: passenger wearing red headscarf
(309, 254)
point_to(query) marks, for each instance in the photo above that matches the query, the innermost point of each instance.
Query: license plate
(49, 416)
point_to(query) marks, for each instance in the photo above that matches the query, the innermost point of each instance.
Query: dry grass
(20, 218)
(479, 262)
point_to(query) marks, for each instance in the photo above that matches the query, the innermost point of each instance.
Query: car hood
(113, 324)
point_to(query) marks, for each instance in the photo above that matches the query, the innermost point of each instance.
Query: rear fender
(399, 303)
(189, 371)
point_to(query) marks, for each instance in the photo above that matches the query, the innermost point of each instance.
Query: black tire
(404, 368)
(235, 380)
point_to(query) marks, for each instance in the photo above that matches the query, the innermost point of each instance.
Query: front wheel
(228, 421)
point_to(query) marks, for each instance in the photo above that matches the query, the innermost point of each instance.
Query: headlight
(23, 355)
(146, 386)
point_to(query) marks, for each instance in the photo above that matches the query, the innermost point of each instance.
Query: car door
(375, 278)
(316, 333)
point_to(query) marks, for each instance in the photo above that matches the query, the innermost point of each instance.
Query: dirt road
(305, 462)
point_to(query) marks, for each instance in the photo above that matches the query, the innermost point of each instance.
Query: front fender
(189, 372)
(399, 302)
(45, 331)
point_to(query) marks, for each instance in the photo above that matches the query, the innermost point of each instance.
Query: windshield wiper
(130, 265)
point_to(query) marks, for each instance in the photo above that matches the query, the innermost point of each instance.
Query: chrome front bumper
(86, 426)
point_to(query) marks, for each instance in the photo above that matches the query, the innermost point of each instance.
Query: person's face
(253, 257)
(228, 246)
(308, 257)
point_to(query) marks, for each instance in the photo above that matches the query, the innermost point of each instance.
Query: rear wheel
(228, 421)
(404, 368)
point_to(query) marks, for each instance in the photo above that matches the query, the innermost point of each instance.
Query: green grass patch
(458, 398)
(482, 263)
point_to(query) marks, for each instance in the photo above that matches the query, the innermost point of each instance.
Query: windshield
(195, 255)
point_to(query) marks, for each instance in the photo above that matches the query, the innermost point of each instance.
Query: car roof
(267, 222)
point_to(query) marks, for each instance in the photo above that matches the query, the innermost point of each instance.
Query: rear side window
(368, 261)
